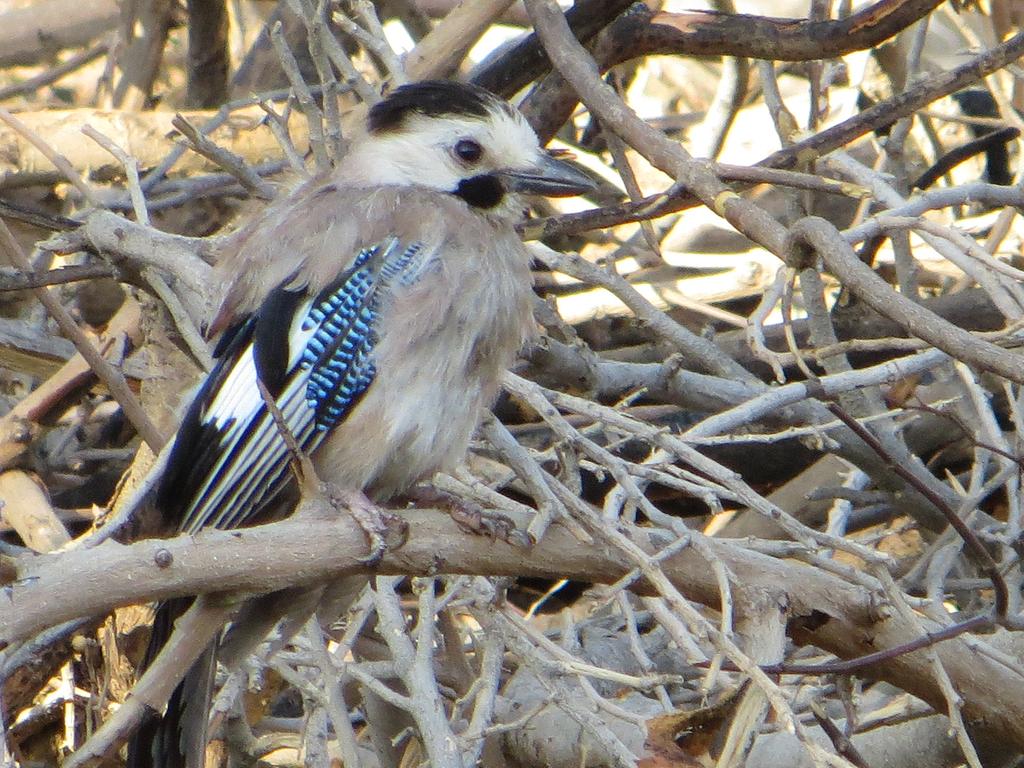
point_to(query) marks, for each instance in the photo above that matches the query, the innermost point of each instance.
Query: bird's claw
(384, 530)
(495, 525)
(386, 533)
(471, 517)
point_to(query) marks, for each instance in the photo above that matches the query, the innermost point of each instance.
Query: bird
(378, 306)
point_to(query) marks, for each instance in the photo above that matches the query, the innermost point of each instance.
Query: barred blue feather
(229, 461)
(338, 354)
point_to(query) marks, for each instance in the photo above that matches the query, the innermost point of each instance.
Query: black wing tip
(196, 443)
(194, 454)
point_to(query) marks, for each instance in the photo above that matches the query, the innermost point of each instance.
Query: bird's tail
(178, 738)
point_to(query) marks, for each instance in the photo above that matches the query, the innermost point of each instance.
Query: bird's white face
(449, 153)
(486, 153)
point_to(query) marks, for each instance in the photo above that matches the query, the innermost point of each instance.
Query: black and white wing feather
(314, 354)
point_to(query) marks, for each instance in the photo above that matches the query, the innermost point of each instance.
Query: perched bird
(378, 306)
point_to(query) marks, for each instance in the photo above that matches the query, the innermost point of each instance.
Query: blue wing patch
(339, 354)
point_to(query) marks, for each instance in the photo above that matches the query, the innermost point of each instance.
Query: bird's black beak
(551, 177)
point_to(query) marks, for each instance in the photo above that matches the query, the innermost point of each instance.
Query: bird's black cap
(432, 98)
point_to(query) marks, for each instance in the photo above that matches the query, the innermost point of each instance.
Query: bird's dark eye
(468, 150)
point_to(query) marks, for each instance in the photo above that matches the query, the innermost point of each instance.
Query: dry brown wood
(208, 55)
(36, 32)
(827, 611)
(145, 25)
(26, 508)
(760, 37)
(147, 136)
(20, 423)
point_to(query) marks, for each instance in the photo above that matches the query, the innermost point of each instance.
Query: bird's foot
(471, 517)
(385, 531)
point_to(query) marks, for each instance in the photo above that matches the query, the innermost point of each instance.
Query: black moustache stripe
(484, 191)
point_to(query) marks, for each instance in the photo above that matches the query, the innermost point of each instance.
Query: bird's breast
(443, 343)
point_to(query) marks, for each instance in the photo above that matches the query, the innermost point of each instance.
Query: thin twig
(131, 170)
(314, 117)
(988, 566)
(72, 64)
(279, 127)
(225, 159)
(182, 321)
(108, 374)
